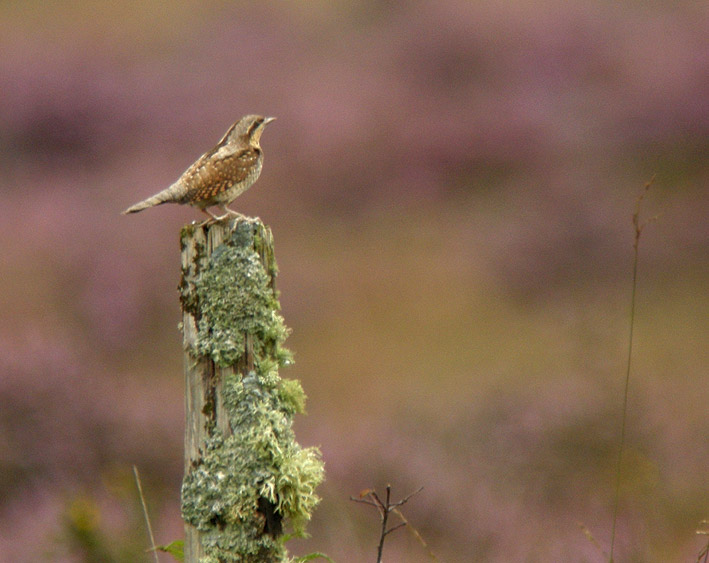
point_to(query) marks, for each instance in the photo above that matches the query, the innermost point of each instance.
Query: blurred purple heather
(450, 186)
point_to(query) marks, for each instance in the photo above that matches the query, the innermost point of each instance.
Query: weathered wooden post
(245, 475)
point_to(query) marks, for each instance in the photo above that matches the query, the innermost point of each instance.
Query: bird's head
(248, 129)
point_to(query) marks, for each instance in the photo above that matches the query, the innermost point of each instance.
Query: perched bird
(220, 175)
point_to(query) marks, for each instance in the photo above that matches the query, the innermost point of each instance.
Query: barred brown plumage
(221, 175)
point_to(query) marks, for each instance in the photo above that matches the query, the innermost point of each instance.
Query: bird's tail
(168, 195)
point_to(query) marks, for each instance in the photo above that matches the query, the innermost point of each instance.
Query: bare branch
(406, 499)
(369, 496)
(390, 530)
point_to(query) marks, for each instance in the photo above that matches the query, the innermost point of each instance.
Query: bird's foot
(212, 218)
(241, 217)
(235, 214)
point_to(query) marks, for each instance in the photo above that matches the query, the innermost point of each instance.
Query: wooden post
(244, 473)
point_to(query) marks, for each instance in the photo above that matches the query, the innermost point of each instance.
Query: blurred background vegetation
(450, 185)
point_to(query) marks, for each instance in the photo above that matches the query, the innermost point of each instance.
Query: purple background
(450, 185)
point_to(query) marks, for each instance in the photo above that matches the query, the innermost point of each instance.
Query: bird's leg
(212, 218)
(232, 212)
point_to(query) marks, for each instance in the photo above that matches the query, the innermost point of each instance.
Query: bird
(219, 176)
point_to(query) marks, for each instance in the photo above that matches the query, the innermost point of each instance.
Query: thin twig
(639, 226)
(416, 533)
(370, 497)
(704, 553)
(385, 517)
(406, 498)
(145, 513)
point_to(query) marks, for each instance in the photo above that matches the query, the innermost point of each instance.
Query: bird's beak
(268, 120)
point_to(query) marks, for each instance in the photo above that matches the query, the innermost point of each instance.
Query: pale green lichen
(292, 396)
(220, 501)
(235, 298)
(261, 459)
(263, 419)
(259, 463)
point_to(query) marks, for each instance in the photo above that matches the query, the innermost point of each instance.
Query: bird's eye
(255, 125)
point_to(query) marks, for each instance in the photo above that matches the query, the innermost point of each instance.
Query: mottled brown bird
(220, 175)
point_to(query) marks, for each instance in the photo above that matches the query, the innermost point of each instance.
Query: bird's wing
(210, 176)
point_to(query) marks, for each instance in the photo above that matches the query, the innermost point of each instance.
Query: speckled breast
(239, 187)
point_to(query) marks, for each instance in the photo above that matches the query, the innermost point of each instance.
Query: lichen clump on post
(260, 460)
(249, 480)
(235, 299)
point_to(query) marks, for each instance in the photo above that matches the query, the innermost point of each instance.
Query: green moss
(186, 233)
(267, 253)
(187, 230)
(188, 298)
